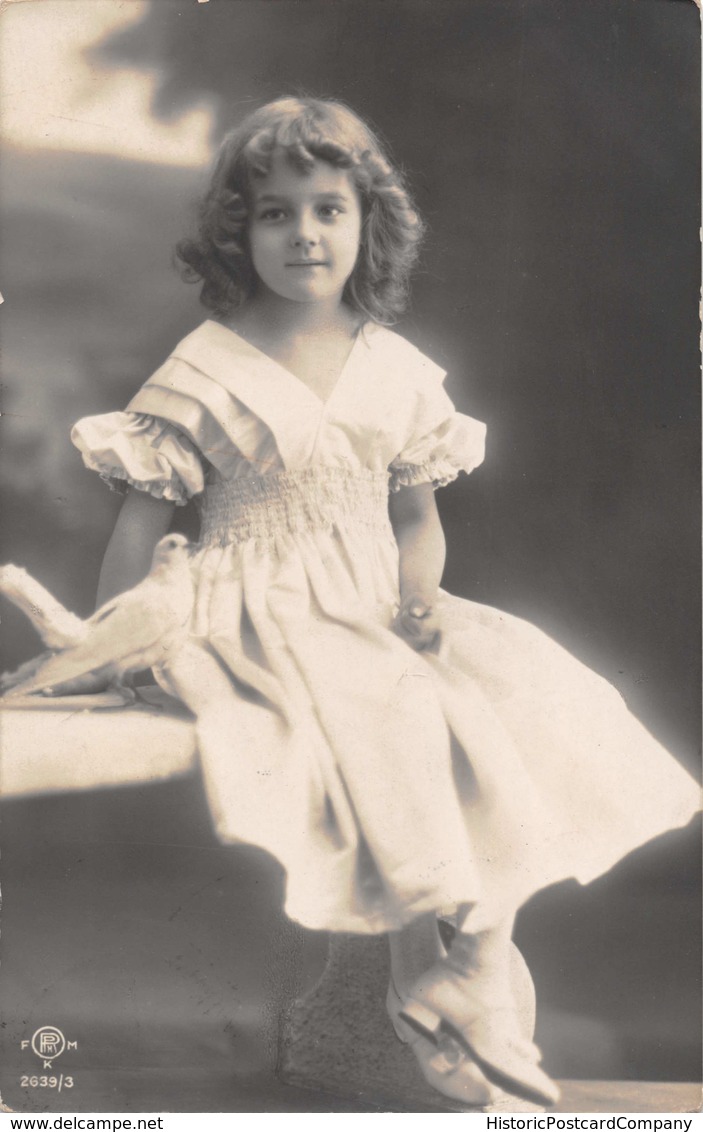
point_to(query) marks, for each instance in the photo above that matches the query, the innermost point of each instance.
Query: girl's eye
(274, 213)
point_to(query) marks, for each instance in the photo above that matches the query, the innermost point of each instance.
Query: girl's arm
(418, 532)
(142, 521)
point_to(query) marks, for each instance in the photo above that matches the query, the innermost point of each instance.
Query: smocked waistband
(309, 499)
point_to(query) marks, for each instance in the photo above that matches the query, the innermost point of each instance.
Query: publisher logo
(48, 1043)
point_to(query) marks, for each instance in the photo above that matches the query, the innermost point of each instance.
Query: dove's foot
(129, 696)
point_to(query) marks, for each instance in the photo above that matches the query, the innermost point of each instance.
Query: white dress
(387, 782)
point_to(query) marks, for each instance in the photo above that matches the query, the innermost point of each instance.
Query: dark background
(553, 147)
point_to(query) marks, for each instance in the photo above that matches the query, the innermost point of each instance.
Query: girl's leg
(466, 1006)
(414, 951)
(489, 954)
(486, 954)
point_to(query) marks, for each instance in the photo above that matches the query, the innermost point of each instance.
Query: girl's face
(304, 230)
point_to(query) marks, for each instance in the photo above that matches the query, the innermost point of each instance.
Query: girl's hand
(417, 623)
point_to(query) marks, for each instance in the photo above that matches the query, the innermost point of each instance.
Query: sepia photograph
(350, 673)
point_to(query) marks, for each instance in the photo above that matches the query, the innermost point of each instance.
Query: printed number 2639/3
(33, 1082)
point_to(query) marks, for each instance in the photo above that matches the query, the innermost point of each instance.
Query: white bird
(138, 629)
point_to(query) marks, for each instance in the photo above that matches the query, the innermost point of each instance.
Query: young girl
(400, 751)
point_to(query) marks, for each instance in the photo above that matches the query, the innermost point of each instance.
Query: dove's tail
(51, 672)
(11, 681)
(57, 627)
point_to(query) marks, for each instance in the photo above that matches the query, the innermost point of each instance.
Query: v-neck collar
(293, 414)
(261, 359)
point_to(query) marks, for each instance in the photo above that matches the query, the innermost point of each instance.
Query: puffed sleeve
(441, 442)
(142, 451)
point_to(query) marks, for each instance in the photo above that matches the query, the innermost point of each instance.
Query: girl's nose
(304, 233)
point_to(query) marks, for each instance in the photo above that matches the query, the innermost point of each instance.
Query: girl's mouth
(307, 263)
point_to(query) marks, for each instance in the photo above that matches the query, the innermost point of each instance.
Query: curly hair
(308, 129)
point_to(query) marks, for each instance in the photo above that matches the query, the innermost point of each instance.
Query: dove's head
(169, 549)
